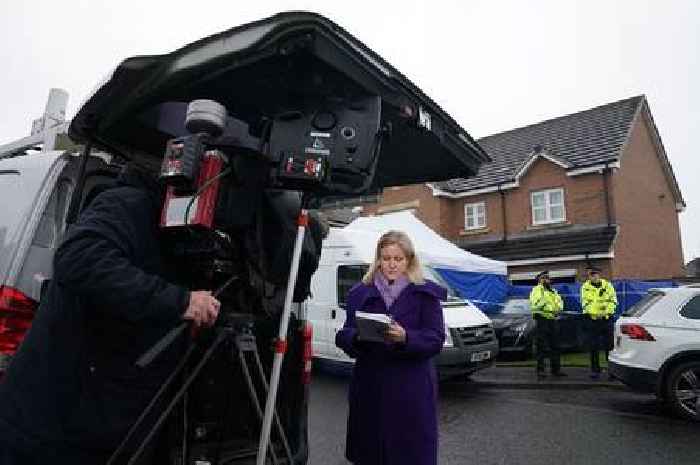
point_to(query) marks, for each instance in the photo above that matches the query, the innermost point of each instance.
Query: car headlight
(448, 338)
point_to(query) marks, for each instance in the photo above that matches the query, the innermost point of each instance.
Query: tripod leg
(252, 392)
(152, 404)
(220, 337)
(281, 345)
(278, 423)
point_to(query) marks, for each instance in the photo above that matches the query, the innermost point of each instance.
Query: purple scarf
(390, 292)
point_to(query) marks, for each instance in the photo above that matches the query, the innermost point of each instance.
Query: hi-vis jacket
(598, 302)
(545, 302)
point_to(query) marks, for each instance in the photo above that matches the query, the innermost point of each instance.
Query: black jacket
(72, 390)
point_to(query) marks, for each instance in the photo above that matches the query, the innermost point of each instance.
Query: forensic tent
(481, 280)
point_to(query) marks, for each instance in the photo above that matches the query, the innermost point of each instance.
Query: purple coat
(393, 392)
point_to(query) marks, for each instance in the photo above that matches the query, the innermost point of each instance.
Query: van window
(52, 223)
(348, 276)
(691, 310)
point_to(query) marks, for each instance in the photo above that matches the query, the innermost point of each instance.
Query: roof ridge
(641, 98)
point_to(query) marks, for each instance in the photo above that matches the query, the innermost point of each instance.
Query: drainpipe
(503, 212)
(606, 190)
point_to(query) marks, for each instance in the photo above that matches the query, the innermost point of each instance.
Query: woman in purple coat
(393, 392)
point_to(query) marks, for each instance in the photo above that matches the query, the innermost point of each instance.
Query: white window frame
(475, 208)
(548, 206)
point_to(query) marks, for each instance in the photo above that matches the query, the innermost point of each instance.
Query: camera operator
(73, 391)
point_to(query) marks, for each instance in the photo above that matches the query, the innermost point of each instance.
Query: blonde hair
(400, 239)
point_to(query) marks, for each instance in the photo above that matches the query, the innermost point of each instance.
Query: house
(591, 188)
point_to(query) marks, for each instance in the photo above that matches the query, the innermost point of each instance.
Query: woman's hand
(395, 333)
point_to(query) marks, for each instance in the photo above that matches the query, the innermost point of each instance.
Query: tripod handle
(161, 345)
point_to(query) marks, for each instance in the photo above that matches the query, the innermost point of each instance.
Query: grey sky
(494, 65)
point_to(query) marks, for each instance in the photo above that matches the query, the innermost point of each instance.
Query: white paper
(380, 317)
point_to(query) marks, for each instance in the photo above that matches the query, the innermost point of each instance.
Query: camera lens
(347, 132)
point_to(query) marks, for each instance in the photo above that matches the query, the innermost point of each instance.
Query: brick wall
(584, 200)
(648, 245)
(428, 208)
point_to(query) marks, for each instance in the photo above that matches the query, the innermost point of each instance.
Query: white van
(470, 342)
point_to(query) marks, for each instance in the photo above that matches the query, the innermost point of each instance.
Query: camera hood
(290, 62)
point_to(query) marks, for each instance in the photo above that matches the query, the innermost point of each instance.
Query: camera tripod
(235, 335)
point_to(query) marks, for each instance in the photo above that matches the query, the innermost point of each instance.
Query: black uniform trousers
(600, 337)
(547, 343)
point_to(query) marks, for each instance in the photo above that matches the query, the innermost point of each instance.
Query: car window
(348, 276)
(53, 219)
(641, 307)
(691, 310)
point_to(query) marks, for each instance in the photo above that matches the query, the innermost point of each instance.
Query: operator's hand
(395, 333)
(203, 308)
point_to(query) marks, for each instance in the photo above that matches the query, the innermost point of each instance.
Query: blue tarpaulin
(489, 291)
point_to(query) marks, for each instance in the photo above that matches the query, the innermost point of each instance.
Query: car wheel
(683, 390)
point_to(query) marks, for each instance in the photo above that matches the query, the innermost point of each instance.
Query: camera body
(332, 148)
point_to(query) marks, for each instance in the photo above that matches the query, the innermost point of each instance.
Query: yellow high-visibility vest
(545, 302)
(598, 302)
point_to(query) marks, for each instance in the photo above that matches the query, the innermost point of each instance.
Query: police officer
(545, 304)
(599, 302)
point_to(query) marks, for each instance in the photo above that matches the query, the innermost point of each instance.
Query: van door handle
(333, 314)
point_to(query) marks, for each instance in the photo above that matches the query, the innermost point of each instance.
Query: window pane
(481, 209)
(51, 224)
(692, 309)
(555, 197)
(470, 222)
(481, 220)
(557, 213)
(538, 199)
(469, 211)
(539, 215)
(348, 276)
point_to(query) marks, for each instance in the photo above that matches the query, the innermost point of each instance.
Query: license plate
(481, 356)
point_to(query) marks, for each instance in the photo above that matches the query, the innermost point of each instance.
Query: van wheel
(682, 390)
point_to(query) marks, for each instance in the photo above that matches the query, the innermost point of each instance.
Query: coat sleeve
(585, 298)
(537, 302)
(97, 262)
(345, 338)
(427, 341)
(612, 299)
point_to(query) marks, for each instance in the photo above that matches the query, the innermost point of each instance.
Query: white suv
(657, 348)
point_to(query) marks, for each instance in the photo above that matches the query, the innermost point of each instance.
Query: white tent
(364, 232)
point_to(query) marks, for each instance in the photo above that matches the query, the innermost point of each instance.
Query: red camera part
(203, 206)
